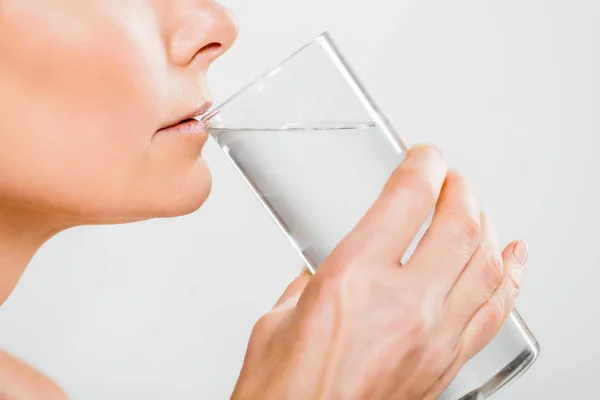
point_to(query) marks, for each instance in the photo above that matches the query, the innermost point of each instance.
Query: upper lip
(196, 112)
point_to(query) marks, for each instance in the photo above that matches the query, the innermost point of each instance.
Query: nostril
(208, 53)
(211, 47)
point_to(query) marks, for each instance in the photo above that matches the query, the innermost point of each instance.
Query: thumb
(290, 297)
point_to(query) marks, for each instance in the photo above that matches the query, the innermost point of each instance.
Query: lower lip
(190, 127)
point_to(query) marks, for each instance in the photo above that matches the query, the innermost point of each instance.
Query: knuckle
(497, 313)
(465, 227)
(493, 268)
(428, 152)
(333, 285)
(515, 278)
(418, 185)
(471, 228)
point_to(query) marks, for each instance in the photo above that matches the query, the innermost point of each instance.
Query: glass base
(509, 374)
(512, 352)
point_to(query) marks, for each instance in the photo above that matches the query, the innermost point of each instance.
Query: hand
(365, 326)
(19, 381)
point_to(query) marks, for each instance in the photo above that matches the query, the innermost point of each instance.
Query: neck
(22, 233)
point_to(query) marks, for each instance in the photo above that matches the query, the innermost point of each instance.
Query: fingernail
(520, 252)
(306, 270)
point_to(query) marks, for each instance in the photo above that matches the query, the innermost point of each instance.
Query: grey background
(508, 89)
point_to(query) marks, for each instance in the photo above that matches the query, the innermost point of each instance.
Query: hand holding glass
(317, 151)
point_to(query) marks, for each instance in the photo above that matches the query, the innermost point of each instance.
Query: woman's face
(86, 88)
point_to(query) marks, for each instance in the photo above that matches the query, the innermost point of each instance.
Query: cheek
(80, 104)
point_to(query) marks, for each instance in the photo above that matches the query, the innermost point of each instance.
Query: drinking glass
(316, 150)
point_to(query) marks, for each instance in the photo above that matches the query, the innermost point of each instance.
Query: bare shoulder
(19, 381)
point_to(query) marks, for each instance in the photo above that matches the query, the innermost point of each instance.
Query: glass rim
(211, 113)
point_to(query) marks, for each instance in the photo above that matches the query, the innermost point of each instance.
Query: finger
(20, 381)
(473, 288)
(479, 280)
(292, 293)
(489, 319)
(409, 196)
(452, 238)
(265, 326)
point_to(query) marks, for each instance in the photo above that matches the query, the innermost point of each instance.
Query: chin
(171, 198)
(168, 196)
(190, 196)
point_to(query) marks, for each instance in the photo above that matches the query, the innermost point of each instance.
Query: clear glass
(317, 151)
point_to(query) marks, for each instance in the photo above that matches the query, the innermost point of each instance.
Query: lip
(188, 124)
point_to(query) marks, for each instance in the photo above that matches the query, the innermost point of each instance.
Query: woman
(95, 101)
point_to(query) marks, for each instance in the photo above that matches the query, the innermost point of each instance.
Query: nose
(201, 32)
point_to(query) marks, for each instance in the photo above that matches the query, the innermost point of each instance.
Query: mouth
(189, 124)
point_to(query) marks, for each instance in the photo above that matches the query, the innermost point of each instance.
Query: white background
(508, 89)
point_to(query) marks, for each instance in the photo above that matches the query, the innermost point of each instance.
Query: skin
(86, 88)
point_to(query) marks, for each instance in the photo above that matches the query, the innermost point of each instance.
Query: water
(317, 181)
